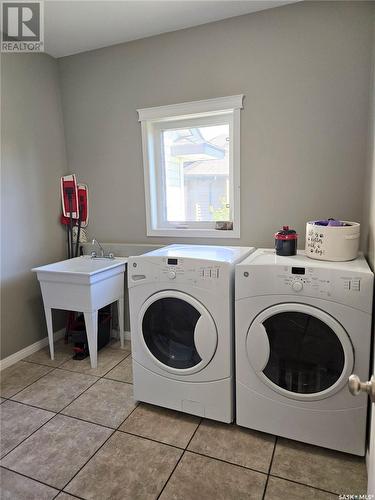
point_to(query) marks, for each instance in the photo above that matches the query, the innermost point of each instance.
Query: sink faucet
(93, 254)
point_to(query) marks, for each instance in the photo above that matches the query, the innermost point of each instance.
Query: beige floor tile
(2, 400)
(18, 376)
(107, 359)
(167, 426)
(279, 488)
(63, 352)
(198, 477)
(123, 372)
(56, 390)
(234, 444)
(54, 453)
(126, 468)
(116, 344)
(64, 496)
(17, 422)
(319, 467)
(107, 403)
(16, 487)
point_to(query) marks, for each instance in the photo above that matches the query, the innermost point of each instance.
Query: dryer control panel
(319, 282)
(299, 279)
(330, 284)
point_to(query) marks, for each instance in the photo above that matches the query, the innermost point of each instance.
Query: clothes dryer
(302, 328)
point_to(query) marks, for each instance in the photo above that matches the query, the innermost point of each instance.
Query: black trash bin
(79, 335)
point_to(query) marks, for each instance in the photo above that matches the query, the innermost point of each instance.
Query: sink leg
(120, 309)
(48, 314)
(91, 322)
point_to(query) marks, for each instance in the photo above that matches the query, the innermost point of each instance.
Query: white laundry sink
(84, 269)
(83, 284)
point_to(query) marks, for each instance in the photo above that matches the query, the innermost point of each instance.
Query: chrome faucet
(102, 253)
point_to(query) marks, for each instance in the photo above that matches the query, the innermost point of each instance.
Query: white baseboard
(27, 351)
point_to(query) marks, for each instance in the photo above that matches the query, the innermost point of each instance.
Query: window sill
(195, 233)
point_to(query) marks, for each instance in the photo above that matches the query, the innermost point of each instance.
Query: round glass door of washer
(178, 332)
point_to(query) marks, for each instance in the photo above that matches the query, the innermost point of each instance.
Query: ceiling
(73, 26)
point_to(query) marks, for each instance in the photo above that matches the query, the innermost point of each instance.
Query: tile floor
(68, 431)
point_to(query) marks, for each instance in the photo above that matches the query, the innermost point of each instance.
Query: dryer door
(300, 351)
(178, 332)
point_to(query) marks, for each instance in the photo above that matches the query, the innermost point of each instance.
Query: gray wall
(368, 227)
(33, 159)
(304, 69)
(368, 233)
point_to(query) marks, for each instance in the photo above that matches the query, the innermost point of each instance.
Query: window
(191, 163)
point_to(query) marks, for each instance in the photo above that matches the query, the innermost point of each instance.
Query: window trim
(152, 121)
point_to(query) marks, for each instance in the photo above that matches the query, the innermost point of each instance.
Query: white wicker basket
(335, 243)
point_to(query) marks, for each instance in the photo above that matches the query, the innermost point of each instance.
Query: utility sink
(84, 284)
(84, 269)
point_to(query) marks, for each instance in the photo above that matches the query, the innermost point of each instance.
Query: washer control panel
(202, 273)
(172, 274)
(179, 267)
(209, 272)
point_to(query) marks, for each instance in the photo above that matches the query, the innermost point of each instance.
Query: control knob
(171, 275)
(297, 286)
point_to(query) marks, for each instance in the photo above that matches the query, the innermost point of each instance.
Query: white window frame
(157, 119)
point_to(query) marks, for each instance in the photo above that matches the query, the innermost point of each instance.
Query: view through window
(196, 173)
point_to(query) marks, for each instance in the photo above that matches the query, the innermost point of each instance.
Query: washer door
(178, 332)
(300, 351)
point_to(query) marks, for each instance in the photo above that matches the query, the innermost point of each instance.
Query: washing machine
(302, 328)
(181, 301)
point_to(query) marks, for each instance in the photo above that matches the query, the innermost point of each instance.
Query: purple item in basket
(334, 222)
(329, 222)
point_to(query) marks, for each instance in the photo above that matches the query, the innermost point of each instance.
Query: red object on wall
(83, 203)
(69, 196)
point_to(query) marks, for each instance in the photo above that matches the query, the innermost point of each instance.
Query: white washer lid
(205, 252)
